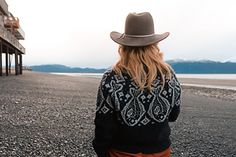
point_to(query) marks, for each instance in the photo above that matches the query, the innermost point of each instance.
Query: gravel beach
(52, 115)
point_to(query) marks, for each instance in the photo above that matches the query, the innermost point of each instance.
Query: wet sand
(210, 82)
(52, 115)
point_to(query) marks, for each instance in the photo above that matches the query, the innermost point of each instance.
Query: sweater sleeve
(104, 118)
(177, 100)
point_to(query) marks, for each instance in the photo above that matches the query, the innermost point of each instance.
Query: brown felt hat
(139, 31)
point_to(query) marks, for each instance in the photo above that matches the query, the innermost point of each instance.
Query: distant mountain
(64, 69)
(203, 67)
(180, 66)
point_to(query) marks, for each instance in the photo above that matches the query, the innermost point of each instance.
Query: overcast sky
(77, 33)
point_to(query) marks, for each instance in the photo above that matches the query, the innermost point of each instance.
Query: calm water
(224, 77)
(95, 75)
(200, 76)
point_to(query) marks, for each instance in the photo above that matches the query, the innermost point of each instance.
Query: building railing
(13, 23)
(4, 6)
(9, 37)
(21, 33)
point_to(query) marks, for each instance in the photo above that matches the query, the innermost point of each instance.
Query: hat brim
(122, 39)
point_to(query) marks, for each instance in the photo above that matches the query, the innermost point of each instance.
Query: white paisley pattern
(133, 106)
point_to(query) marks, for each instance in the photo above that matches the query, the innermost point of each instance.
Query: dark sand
(52, 115)
(213, 82)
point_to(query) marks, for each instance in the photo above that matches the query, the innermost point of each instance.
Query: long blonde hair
(143, 64)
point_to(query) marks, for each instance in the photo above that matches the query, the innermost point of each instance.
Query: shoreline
(192, 80)
(193, 85)
(209, 86)
(224, 92)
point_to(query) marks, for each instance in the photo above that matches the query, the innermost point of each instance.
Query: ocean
(216, 81)
(197, 76)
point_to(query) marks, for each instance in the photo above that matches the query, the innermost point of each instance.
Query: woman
(138, 96)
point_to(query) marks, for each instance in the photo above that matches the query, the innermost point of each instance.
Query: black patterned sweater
(132, 120)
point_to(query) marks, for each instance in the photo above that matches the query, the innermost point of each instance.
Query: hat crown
(139, 31)
(139, 24)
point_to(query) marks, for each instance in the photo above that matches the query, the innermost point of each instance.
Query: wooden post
(0, 58)
(7, 61)
(20, 63)
(16, 63)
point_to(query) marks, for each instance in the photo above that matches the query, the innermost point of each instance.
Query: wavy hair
(143, 64)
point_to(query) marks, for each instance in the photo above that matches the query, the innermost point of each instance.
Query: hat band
(136, 36)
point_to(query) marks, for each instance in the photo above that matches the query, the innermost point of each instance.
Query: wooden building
(10, 34)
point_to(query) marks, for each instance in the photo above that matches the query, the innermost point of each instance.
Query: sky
(77, 33)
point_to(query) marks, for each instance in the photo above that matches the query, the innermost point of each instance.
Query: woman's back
(140, 117)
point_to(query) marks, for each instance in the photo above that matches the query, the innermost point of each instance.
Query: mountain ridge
(180, 66)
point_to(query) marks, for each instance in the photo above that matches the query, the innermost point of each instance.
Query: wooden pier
(10, 34)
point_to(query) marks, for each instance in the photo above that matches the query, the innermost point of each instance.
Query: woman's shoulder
(107, 76)
(173, 81)
(108, 73)
(111, 76)
(172, 74)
